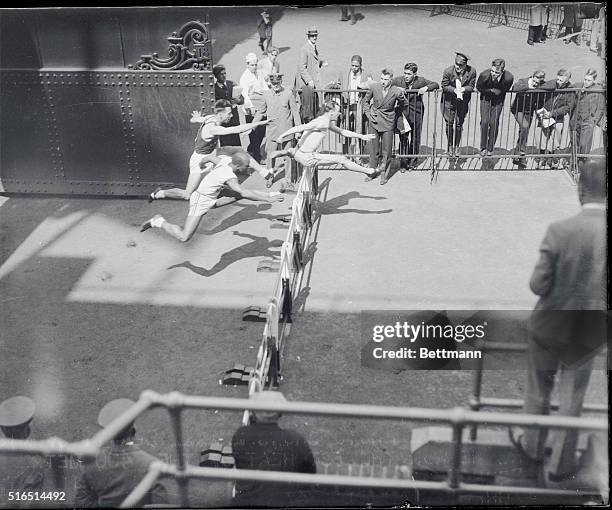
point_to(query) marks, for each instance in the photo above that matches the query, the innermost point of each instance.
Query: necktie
(316, 52)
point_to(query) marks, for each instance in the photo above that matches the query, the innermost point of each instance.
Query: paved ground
(93, 310)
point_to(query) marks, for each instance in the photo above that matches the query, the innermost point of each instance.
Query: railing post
(58, 464)
(455, 461)
(476, 391)
(175, 414)
(434, 166)
(287, 301)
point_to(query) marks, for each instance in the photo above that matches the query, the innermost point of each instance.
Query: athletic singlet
(205, 146)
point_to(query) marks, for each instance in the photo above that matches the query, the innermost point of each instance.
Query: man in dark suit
(568, 323)
(108, 480)
(492, 85)
(384, 99)
(589, 111)
(528, 99)
(458, 82)
(413, 111)
(263, 445)
(224, 89)
(308, 76)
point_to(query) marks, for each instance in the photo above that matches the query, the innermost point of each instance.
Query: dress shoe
(384, 178)
(483, 153)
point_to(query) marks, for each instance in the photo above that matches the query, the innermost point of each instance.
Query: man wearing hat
(264, 445)
(279, 105)
(18, 472)
(118, 468)
(492, 84)
(253, 84)
(308, 76)
(458, 82)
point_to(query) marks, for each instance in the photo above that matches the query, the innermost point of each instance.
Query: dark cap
(312, 31)
(112, 410)
(16, 411)
(462, 56)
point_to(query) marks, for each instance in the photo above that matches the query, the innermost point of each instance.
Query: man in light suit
(458, 82)
(568, 323)
(308, 75)
(379, 105)
(492, 85)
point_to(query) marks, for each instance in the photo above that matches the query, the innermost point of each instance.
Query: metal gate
(98, 132)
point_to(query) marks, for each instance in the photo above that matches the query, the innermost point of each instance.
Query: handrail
(456, 417)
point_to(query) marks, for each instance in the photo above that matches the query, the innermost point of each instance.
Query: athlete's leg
(195, 177)
(183, 234)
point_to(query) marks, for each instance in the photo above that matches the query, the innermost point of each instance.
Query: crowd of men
(385, 105)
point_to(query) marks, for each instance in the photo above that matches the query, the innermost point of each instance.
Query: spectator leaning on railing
(590, 111)
(493, 84)
(528, 99)
(551, 118)
(458, 82)
(410, 116)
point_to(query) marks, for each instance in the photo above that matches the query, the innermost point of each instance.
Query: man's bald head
(241, 160)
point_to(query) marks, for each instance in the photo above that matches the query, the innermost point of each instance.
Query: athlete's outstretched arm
(351, 134)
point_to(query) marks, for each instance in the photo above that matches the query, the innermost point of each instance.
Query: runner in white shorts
(206, 196)
(312, 136)
(206, 143)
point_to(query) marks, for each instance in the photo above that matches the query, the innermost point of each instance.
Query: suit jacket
(381, 112)
(413, 105)
(491, 91)
(529, 100)
(468, 80)
(282, 108)
(267, 447)
(589, 106)
(116, 471)
(559, 104)
(570, 275)
(309, 65)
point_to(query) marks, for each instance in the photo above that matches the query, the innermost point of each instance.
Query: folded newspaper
(546, 122)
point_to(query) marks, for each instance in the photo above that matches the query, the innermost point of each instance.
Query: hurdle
(278, 312)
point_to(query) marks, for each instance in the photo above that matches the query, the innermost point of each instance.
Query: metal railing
(512, 15)
(458, 418)
(478, 402)
(537, 142)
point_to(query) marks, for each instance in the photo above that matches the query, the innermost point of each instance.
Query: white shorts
(200, 204)
(315, 158)
(194, 163)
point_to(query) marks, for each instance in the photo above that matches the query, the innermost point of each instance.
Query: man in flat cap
(19, 473)
(118, 468)
(279, 105)
(308, 75)
(262, 444)
(458, 82)
(493, 84)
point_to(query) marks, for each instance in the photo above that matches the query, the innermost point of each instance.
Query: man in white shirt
(207, 142)
(207, 195)
(253, 85)
(312, 135)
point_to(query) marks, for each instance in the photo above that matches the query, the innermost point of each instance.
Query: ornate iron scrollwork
(189, 48)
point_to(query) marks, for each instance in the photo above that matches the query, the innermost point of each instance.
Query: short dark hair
(591, 72)
(499, 63)
(539, 74)
(564, 72)
(222, 104)
(218, 69)
(592, 180)
(357, 58)
(412, 67)
(387, 72)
